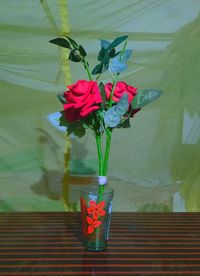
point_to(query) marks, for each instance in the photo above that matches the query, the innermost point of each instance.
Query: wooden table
(49, 243)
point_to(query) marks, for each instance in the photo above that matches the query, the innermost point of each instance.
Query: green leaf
(111, 118)
(116, 42)
(85, 125)
(73, 56)
(74, 128)
(145, 97)
(54, 120)
(100, 68)
(61, 98)
(99, 114)
(62, 42)
(101, 54)
(78, 129)
(103, 93)
(116, 66)
(106, 59)
(122, 105)
(112, 53)
(63, 121)
(82, 51)
(99, 122)
(125, 124)
(125, 55)
(113, 115)
(105, 67)
(89, 121)
(97, 69)
(104, 43)
(73, 42)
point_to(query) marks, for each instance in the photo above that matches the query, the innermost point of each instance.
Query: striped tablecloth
(49, 243)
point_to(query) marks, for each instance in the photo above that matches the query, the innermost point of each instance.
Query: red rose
(120, 89)
(82, 98)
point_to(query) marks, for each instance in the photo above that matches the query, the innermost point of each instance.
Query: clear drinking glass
(96, 216)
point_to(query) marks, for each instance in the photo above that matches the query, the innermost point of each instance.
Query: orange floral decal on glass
(96, 210)
(92, 224)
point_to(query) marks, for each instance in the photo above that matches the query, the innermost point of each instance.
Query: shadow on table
(91, 261)
(73, 223)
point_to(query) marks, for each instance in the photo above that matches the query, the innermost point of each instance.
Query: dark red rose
(120, 89)
(82, 98)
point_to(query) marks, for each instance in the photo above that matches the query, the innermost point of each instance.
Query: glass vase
(96, 215)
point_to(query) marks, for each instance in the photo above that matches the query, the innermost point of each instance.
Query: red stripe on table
(114, 220)
(157, 248)
(125, 242)
(24, 248)
(110, 253)
(170, 265)
(195, 228)
(65, 245)
(103, 273)
(114, 217)
(108, 258)
(115, 224)
(135, 227)
(115, 214)
(62, 238)
(35, 232)
(118, 213)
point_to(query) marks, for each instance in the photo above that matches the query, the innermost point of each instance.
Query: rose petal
(87, 111)
(71, 114)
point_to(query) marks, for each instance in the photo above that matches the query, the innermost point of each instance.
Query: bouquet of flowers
(100, 107)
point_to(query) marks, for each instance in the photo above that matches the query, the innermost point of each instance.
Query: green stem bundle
(103, 159)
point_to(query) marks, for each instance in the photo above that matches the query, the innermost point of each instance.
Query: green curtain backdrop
(154, 165)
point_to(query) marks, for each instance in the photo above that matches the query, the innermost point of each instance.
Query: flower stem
(104, 161)
(103, 170)
(100, 155)
(107, 150)
(87, 68)
(100, 159)
(113, 89)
